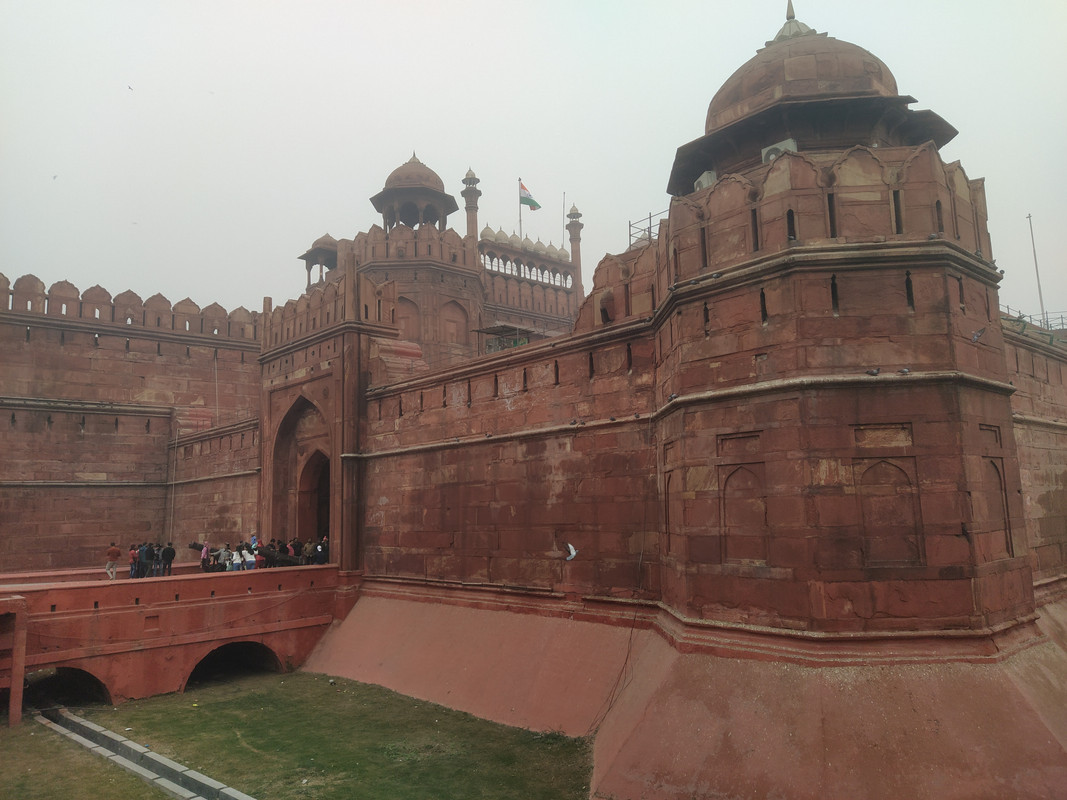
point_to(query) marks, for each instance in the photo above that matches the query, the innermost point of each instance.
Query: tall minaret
(574, 228)
(471, 194)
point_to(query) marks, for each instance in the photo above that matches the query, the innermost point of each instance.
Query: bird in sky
(571, 552)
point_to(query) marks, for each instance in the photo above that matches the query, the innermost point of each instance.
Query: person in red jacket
(113, 556)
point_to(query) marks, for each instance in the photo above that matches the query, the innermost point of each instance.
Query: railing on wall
(1050, 321)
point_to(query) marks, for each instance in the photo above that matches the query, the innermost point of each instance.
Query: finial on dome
(793, 26)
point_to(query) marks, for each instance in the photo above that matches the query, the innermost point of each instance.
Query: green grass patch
(282, 737)
(37, 764)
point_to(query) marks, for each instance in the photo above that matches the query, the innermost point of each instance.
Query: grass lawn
(282, 737)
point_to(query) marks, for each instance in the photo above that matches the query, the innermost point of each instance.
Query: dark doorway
(314, 518)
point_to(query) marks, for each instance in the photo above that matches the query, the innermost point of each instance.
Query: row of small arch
(538, 274)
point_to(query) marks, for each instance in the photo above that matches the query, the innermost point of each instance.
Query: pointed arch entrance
(301, 485)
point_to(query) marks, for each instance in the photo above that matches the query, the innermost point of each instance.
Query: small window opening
(524, 383)
(629, 358)
(940, 217)
(831, 214)
(496, 386)
(909, 291)
(703, 247)
(791, 225)
(898, 216)
(591, 370)
(763, 306)
(959, 284)
(707, 321)
(754, 223)
(444, 396)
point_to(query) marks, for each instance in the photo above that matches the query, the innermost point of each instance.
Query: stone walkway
(169, 776)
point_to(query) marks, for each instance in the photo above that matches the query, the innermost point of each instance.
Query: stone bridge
(138, 638)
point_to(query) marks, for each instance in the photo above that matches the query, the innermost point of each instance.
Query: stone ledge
(176, 780)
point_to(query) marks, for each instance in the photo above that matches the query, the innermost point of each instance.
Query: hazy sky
(196, 148)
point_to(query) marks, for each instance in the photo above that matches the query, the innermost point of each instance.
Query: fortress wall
(1037, 365)
(554, 449)
(215, 494)
(92, 394)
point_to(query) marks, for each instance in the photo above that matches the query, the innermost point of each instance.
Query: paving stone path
(171, 777)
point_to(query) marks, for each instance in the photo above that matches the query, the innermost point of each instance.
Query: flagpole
(520, 211)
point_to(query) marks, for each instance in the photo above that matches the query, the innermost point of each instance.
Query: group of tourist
(147, 560)
(255, 555)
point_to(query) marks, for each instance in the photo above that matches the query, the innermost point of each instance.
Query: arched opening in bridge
(313, 516)
(233, 660)
(64, 686)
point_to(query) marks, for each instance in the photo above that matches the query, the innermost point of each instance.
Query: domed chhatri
(414, 173)
(414, 195)
(803, 90)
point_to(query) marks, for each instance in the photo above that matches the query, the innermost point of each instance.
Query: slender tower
(574, 228)
(471, 193)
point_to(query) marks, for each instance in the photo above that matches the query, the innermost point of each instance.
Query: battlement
(65, 302)
(403, 243)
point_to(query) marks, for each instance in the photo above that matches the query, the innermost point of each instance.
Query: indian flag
(526, 199)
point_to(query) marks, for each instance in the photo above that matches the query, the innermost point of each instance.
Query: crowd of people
(151, 560)
(256, 555)
(147, 560)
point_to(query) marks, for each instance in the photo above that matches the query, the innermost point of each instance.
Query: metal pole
(1040, 298)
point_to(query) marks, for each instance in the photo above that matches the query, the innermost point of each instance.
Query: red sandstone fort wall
(215, 492)
(1037, 365)
(94, 389)
(485, 477)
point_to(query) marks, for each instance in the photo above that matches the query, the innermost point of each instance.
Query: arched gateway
(300, 487)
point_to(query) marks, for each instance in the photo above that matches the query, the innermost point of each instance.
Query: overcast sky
(196, 148)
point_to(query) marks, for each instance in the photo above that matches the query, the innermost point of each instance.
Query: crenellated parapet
(403, 245)
(863, 195)
(63, 301)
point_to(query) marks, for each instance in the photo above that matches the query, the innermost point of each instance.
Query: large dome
(414, 173)
(799, 65)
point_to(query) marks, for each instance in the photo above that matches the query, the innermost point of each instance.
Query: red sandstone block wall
(1038, 370)
(216, 488)
(90, 405)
